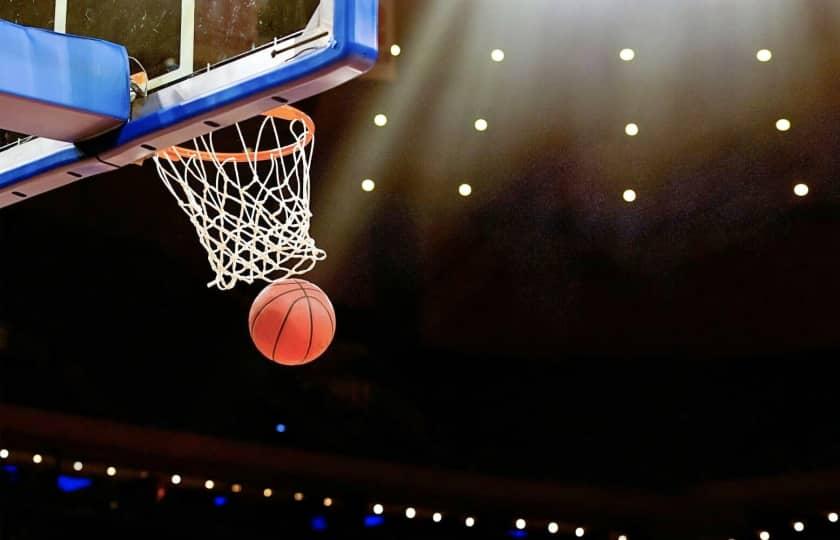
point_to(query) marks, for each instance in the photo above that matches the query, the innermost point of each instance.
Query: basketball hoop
(250, 208)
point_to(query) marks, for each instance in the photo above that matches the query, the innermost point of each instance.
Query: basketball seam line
(311, 329)
(280, 332)
(327, 311)
(254, 323)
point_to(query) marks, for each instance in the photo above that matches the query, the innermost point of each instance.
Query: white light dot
(236, 488)
(176, 479)
(520, 524)
(78, 466)
(436, 517)
(631, 129)
(410, 512)
(298, 496)
(783, 124)
(801, 189)
(395, 50)
(553, 528)
(465, 190)
(764, 55)
(497, 55)
(209, 484)
(378, 509)
(833, 517)
(470, 521)
(267, 493)
(629, 195)
(624, 537)
(627, 54)
(481, 124)
(380, 120)
(111, 471)
(328, 502)
(37, 458)
(4, 454)
(579, 532)
(368, 185)
(764, 535)
(798, 526)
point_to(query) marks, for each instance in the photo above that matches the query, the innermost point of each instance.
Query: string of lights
(377, 511)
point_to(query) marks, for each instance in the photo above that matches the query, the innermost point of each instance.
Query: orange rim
(284, 112)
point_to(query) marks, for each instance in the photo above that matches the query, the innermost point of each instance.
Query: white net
(250, 210)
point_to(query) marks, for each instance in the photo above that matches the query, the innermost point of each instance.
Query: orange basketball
(292, 322)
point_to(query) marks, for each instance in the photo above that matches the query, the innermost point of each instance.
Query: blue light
(11, 469)
(319, 523)
(69, 484)
(374, 521)
(220, 500)
(518, 534)
(280, 428)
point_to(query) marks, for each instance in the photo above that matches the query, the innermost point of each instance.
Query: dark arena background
(584, 259)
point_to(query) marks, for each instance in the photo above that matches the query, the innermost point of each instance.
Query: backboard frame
(338, 44)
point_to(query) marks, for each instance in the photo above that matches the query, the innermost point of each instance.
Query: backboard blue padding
(58, 78)
(355, 45)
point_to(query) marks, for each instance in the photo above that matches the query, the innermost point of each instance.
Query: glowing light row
(470, 521)
(379, 509)
(797, 526)
(626, 54)
(368, 185)
(762, 55)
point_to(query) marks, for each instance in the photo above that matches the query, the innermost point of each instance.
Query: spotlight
(380, 120)
(627, 54)
(553, 528)
(436, 517)
(764, 55)
(631, 129)
(236, 488)
(176, 479)
(267, 493)
(801, 189)
(77, 466)
(520, 524)
(209, 484)
(629, 195)
(328, 502)
(410, 512)
(368, 185)
(798, 526)
(783, 124)
(111, 471)
(465, 190)
(624, 537)
(764, 535)
(37, 459)
(481, 124)
(497, 55)
(470, 521)
(4, 454)
(378, 509)
(395, 50)
(833, 517)
(298, 496)
(579, 532)
(280, 428)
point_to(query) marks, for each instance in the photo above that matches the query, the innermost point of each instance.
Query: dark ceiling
(542, 327)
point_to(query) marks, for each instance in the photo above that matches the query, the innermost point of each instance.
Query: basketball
(292, 322)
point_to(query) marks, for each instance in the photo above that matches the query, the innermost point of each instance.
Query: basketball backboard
(209, 64)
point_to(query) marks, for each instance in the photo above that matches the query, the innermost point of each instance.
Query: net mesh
(251, 211)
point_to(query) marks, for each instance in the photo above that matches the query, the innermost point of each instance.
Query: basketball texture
(292, 322)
